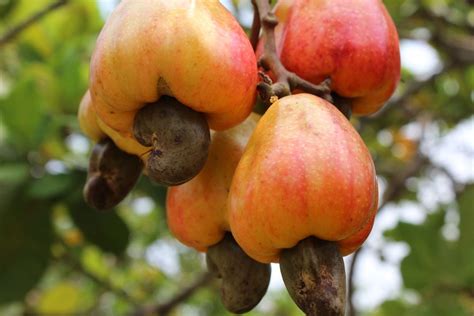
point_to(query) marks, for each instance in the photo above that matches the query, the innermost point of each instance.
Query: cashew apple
(305, 172)
(197, 216)
(353, 42)
(197, 210)
(194, 51)
(94, 128)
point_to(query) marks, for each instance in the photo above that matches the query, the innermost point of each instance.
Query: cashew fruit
(95, 129)
(194, 51)
(197, 215)
(88, 119)
(355, 43)
(314, 275)
(112, 175)
(244, 280)
(179, 138)
(197, 212)
(305, 172)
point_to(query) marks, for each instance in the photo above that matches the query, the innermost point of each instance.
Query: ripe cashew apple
(353, 42)
(194, 51)
(305, 172)
(88, 119)
(94, 128)
(163, 72)
(197, 210)
(197, 215)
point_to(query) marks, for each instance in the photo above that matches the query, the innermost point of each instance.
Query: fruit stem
(286, 80)
(255, 31)
(314, 275)
(343, 105)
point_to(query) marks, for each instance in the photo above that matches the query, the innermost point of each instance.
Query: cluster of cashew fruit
(172, 88)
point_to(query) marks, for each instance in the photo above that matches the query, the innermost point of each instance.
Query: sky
(375, 280)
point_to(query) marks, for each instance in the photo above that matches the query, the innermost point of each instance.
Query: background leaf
(107, 230)
(25, 253)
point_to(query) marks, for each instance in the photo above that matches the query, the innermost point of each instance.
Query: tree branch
(256, 26)
(412, 89)
(393, 191)
(350, 286)
(286, 81)
(16, 30)
(165, 308)
(76, 265)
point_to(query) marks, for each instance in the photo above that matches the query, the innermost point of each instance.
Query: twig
(392, 192)
(165, 308)
(412, 89)
(13, 32)
(286, 80)
(76, 265)
(256, 26)
(397, 185)
(350, 286)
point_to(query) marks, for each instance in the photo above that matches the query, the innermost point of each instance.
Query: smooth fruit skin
(305, 172)
(197, 211)
(88, 119)
(94, 128)
(192, 50)
(354, 42)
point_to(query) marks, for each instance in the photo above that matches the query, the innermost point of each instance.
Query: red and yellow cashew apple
(197, 215)
(95, 129)
(304, 193)
(197, 210)
(305, 172)
(353, 42)
(192, 51)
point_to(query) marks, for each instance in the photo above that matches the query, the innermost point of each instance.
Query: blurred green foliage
(58, 256)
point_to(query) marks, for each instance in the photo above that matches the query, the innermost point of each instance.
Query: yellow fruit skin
(95, 129)
(197, 210)
(192, 50)
(305, 172)
(88, 119)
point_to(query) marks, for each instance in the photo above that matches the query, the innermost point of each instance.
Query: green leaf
(392, 308)
(51, 186)
(6, 7)
(13, 173)
(22, 113)
(465, 248)
(440, 270)
(27, 235)
(62, 299)
(441, 304)
(12, 176)
(107, 230)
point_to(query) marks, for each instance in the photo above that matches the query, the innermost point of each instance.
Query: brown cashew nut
(112, 175)
(180, 139)
(313, 272)
(244, 280)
